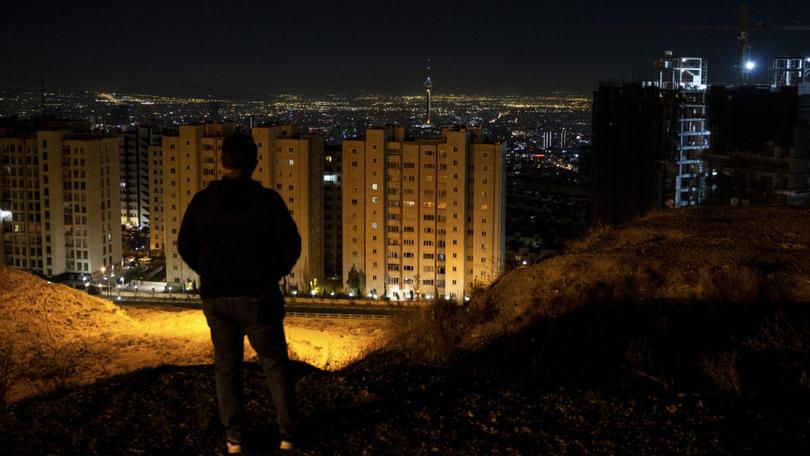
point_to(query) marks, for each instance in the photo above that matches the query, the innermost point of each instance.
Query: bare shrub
(589, 240)
(431, 334)
(777, 333)
(8, 369)
(639, 358)
(731, 283)
(723, 372)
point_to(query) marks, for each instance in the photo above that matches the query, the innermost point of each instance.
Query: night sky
(311, 47)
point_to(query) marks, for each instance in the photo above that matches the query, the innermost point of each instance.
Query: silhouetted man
(239, 237)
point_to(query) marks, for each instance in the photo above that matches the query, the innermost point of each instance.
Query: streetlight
(750, 65)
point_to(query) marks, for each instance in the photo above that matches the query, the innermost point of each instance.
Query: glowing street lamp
(750, 65)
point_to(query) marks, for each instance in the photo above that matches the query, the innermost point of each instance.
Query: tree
(355, 280)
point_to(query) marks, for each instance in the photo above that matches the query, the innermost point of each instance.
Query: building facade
(156, 204)
(288, 162)
(60, 202)
(134, 166)
(332, 210)
(422, 218)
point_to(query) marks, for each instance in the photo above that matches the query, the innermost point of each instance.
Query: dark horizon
(373, 47)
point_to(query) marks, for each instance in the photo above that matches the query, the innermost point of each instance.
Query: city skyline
(317, 48)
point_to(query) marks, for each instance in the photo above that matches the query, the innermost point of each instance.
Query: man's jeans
(230, 319)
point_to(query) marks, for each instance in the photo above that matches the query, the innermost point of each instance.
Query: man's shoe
(233, 448)
(286, 444)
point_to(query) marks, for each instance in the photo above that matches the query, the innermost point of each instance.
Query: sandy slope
(54, 335)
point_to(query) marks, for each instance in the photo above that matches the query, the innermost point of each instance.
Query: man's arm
(187, 238)
(288, 240)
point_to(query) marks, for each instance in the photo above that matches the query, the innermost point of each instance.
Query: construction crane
(744, 28)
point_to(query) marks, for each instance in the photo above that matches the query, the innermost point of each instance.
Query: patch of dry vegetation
(665, 299)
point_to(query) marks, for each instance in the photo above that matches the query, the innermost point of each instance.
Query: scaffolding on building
(687, 76)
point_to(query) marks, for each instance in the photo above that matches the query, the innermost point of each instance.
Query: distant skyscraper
(428, 84)
(789, 71)
(60, 202)
(547, 137)
(134, 165)
(423, 218)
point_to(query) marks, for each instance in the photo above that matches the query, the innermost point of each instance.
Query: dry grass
(722, 369)
(432, 334)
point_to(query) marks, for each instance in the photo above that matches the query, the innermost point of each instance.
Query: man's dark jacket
(240, 238)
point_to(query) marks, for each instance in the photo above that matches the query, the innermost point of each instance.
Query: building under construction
(790, 71)
(687, 77)
(760, 150)
(647, 141)
(631, 168)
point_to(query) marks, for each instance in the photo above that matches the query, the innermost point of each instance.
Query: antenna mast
(428, 85)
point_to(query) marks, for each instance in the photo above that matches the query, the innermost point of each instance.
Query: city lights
(750, 65)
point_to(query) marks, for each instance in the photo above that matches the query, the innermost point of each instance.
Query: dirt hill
(737, 254)
(52, 336)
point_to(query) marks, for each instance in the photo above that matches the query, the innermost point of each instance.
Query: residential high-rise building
(292, 164)
(60, 202)
(287, 162)
(134, 165)
(422, 218)
(332, 210)
(156, 206)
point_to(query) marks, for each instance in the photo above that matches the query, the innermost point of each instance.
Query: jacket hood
(234, 195)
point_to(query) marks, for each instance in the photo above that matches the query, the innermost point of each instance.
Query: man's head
(239, 153)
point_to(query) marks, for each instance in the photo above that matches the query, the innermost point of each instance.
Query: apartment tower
(60, 202)
(134, 165)
(288, 162)
(422, 218)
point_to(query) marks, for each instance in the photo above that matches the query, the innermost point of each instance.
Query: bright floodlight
(749, 65)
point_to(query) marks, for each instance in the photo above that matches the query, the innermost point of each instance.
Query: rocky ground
(383, 406)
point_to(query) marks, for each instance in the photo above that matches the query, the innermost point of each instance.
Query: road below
(316, 309)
